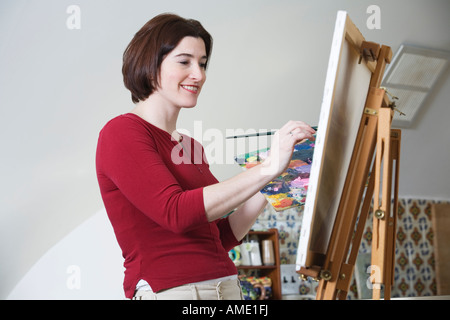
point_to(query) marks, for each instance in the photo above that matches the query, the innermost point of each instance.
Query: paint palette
(290, 188)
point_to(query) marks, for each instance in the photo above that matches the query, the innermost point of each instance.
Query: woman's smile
(190, 88)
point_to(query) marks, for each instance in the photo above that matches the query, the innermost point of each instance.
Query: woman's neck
(163, 116)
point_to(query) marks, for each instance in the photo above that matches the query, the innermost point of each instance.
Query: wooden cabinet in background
(273, 271)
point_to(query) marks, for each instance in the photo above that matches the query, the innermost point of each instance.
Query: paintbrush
(258, 134)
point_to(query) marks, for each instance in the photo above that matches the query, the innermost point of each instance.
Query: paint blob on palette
(290, 188)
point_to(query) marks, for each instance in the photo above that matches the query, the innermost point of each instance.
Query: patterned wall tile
(414, 271)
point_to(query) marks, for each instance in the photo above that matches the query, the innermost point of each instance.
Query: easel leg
(392, 221)
(359, 232)
(381, 206)
(384, 221)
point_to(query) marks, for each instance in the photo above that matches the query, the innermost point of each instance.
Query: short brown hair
(144, 54)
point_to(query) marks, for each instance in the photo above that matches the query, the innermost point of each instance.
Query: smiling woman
(168, 215)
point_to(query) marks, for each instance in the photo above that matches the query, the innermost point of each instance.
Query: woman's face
(182, 73)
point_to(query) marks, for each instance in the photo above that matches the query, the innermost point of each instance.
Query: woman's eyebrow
(189, 55)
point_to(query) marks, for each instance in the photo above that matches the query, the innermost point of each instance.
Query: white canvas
(345, 93)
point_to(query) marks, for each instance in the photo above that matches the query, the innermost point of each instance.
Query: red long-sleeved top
(156, 208)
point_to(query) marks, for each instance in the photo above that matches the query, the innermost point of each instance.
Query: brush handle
(258, 134)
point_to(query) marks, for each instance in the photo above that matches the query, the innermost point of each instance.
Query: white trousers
(220, 290)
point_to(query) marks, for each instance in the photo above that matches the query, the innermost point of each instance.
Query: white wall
(58, 87)
(85, 264)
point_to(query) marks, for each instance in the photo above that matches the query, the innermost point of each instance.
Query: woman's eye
(186, 63)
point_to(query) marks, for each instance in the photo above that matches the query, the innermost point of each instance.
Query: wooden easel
(374, 133)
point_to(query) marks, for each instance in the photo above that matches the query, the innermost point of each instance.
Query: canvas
(345, 92)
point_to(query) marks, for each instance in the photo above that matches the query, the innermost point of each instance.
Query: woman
(168, 216)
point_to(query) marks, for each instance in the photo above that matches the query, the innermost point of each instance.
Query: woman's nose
(197, 73)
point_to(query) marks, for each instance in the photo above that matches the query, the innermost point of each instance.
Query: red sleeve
(227, 237)
(128, 157)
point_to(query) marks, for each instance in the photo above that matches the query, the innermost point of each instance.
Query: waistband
(225, 288)
(144, 286)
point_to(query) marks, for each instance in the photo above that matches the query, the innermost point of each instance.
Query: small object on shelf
(235, 255)
(255, 254)
(268, 256)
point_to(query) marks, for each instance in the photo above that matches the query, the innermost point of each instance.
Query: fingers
(292, 133)
(296, 126)
(302, 135)
(284, 141)
(298, 130)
